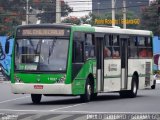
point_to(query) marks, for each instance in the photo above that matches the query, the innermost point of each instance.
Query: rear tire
(134, 88)
(86, 97)
(36, 98)
(123, 94)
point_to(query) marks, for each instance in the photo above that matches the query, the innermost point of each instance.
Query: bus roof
(89, 28)
(113, 30)
(123, 31)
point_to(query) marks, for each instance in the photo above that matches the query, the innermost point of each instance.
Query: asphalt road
(69, 108)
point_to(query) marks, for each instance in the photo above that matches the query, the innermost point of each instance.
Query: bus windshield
(41, 54)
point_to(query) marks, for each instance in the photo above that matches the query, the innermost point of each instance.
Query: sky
(79, 6)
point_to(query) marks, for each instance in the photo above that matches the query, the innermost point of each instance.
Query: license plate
(38, 86)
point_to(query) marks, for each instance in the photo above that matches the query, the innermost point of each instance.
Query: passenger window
(78, 47)
(111, 47)
(149, 47)
(141, 41)
(132, 49)
(89, 46)
(142, 52)
(116, 47)
(148, 41)
(77, 52)
(107, 46)
(145, 47)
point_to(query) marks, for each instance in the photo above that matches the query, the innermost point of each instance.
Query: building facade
(105, 6)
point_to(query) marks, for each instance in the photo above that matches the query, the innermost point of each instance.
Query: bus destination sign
(42, 32)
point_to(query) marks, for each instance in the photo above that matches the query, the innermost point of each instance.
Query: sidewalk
(4, 81)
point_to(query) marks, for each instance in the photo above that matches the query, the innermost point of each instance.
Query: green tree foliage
(72, 20)
(150, 19)
(91, 19)
(11, 15)
(75, 20)
(48, 10)
(13, 12)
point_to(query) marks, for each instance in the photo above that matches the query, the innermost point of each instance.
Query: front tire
(36, 98)
(86, 97)
(93, 96)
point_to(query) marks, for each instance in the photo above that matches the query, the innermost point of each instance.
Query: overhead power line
(85, 10)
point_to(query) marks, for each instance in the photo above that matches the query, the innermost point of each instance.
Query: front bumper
(26, 88)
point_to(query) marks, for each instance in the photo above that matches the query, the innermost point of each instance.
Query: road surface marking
(24, 110)
(14, 99)
(67, 107)
(53, 110)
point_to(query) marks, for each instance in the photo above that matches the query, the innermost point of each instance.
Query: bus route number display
(42, 32)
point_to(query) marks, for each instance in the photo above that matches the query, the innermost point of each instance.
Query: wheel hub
(89, 89)
(134, 87)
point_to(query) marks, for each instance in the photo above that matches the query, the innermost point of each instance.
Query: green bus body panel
(78, 86)
(69, 68)
(39, 78)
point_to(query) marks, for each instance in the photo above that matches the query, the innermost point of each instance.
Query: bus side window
(78, 48)
(149, 47)
(116, 47)
(89, 46)
(142, 47)
(132, 47)
(78, 52)
(107, 46)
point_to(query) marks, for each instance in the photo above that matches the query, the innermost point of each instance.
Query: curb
(2, 81)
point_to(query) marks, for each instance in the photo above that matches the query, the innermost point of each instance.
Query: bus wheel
(134, 87)
(36, 98)
(93, 96)
(123, 94)
(86, 97)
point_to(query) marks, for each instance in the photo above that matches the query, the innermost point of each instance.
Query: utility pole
(27, 17)
(98, 7)
(58, 11)
(124, 14)
(113, 12)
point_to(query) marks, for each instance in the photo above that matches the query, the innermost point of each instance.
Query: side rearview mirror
(7, 45)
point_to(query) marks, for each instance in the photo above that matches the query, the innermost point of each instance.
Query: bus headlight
(17, 79)
(61, 80)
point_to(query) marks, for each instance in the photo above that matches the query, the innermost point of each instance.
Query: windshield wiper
(38, 47)
(51, 49)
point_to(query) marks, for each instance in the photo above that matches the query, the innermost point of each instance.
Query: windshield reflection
(41, 54)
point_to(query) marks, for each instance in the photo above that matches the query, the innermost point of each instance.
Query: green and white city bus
(58, 59)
